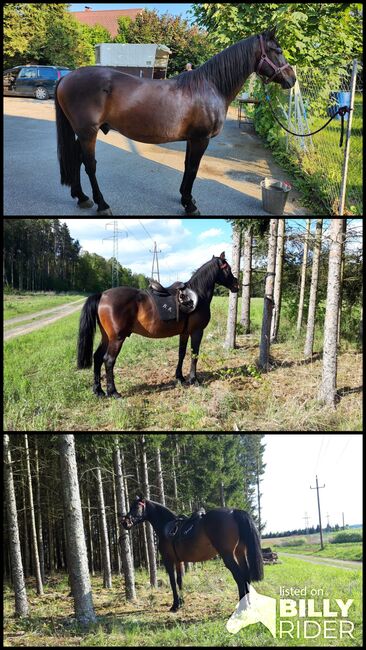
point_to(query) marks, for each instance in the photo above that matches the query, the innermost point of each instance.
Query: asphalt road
(135, 178)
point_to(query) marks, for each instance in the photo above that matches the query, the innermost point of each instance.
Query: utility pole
(343, 526)
(115, 263)
(259, 497)
(317, 488)
(155, 258)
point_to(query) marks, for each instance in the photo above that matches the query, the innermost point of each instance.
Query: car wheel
(41, 93)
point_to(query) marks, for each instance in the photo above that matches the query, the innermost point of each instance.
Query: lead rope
(342, 111)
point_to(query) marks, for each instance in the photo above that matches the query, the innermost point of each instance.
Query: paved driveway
(135, 178)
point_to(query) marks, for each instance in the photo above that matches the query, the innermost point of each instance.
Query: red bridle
(264, 59)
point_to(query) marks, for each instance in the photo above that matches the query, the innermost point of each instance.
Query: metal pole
(342, 194)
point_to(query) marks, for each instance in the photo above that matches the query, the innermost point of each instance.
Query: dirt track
(334, 562)
(45, 317)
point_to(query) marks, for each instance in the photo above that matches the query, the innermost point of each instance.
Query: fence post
(342, 194)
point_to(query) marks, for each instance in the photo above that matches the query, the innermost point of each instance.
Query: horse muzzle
(127, 522)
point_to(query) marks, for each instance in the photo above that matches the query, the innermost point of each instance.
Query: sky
(293, 461)
(185, 244)
(174, 8)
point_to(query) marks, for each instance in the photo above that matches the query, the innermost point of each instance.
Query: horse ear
(223, 256)
(140, 497)
(272, 32)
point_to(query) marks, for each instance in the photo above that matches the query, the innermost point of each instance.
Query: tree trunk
(328, 389)
(21, 601)
(149, 528)
(36, 568)
(309, 344)
(247, 279)
(278, 280)
(233, 297)
(77, 555)
(303, 277)
(268, 298)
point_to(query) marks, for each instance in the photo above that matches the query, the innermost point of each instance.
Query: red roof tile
(108, 18)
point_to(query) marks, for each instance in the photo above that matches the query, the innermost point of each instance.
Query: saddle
(174, 300)
(183, 527)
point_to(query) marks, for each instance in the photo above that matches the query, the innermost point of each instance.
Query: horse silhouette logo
(253, 608)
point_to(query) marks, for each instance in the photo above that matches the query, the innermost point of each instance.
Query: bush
(344, 538)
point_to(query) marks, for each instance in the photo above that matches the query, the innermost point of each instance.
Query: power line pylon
(155, 259)
(115, 263)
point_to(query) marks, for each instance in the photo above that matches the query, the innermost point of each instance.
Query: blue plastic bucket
(337, 99)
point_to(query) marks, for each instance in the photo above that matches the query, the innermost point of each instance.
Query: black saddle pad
(166, 306)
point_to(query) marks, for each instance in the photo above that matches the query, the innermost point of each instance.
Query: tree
(305, 30)
(21, 601)
(188, 44)
(77, 553)
(304, 266)
(268, 298)
(309, 344)
(234, 297)
(328, 388)
(277, 298)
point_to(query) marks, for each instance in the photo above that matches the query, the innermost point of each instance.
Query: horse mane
(225, 70)
(205, 275)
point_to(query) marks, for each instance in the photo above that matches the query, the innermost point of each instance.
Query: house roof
(108, 18)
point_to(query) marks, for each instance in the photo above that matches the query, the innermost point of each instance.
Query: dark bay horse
(124, 310)
(191, 107)
(229, 533)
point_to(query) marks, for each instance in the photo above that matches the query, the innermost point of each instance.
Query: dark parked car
(37, 81)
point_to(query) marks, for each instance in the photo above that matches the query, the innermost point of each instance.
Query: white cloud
(213, 232)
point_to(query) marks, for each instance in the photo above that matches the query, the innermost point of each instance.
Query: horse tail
(88, 323)
(67, 147)
(250, 537)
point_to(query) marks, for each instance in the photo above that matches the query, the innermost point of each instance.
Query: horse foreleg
(194, 152)
(110, 357)
(179, 569)
(171, 571)
(183, 341)
(196, 338)
(88, 148)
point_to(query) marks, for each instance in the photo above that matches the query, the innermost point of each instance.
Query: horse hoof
(99, 393)
(116, 395)
(104, 213)
(174, 608)
(85, 204)
(180, 381)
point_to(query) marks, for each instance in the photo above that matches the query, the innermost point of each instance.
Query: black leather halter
(264, 59)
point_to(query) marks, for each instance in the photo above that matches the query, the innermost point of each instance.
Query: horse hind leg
(237, 573)
(110, 357)
(88, 152)
(76, 191)
(98, 360)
